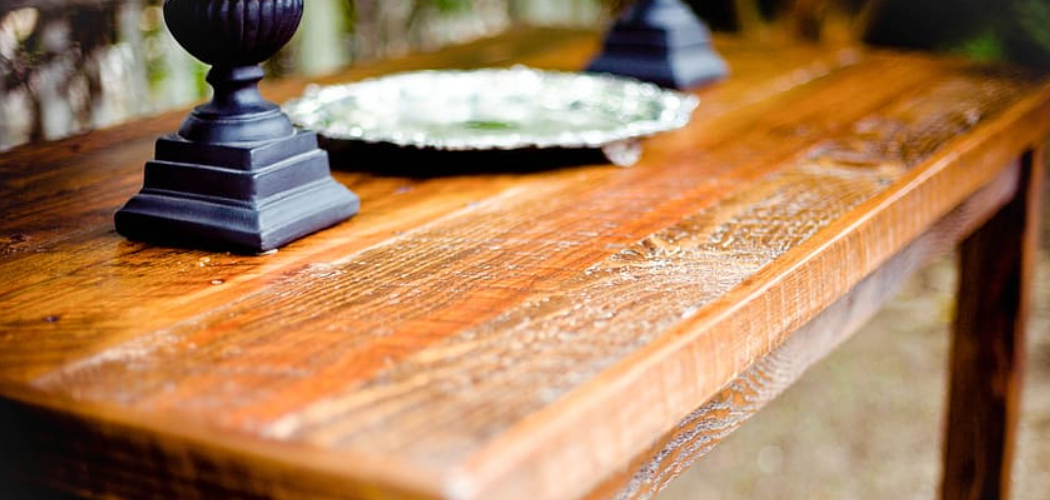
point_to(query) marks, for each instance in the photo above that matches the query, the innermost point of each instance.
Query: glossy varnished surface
(498, 336)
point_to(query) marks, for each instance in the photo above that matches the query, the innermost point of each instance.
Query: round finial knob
(233, 32)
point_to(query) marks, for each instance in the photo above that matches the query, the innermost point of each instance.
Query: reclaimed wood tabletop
(575, 332)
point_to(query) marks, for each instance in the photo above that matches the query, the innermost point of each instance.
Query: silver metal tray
(495, 109)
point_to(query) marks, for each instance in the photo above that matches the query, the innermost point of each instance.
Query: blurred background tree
(71, 65)
(67, 66)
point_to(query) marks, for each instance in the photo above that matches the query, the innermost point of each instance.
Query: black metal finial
(660, 41)
(237, 175)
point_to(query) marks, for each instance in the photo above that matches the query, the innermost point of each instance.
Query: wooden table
(567, 333)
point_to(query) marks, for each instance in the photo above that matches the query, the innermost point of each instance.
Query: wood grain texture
(706, 427)
(996, 266)
(514, 335)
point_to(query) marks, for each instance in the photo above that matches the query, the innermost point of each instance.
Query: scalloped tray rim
(679, 108)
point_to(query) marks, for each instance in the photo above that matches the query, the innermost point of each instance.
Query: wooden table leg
(997, 265)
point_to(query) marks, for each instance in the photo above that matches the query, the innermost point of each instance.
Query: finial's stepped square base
(670, 69)
(663, 42)
(248, 197)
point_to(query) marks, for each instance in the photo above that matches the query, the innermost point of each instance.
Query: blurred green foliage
(1012, 30)
(1015, 30)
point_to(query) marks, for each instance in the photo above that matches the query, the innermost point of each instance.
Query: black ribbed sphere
(233, 32)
